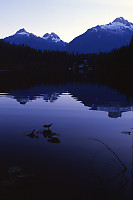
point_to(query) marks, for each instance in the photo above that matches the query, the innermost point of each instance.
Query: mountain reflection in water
(65, 141)
(98, 98)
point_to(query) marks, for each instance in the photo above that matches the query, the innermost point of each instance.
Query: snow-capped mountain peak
(122, 20)
(47, 42)
(103, 38)
(22, 32)
(52, 37)
(119, 24)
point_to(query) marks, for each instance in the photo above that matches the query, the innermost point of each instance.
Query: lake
(84, 153)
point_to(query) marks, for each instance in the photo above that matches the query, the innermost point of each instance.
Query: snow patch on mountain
(52, 37)
(119, 24)
(56, 40)
(103, 38)
(22, 32)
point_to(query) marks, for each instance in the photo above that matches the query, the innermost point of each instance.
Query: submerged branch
(125, 168)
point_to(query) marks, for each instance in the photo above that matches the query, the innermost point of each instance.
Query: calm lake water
(85, 154)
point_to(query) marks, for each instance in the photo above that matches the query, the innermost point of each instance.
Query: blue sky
(67, 18)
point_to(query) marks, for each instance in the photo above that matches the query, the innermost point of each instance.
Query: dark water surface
(85, 154)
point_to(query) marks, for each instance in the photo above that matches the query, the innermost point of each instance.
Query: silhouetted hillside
(118, 59)
(21, 58)
(26, 65)
(103, 38)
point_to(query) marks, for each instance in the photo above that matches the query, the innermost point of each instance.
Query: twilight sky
(67, 18)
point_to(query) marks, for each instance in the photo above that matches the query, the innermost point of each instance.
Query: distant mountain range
(101, 38)
(47, 42)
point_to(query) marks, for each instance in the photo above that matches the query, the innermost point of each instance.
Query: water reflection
(46, 97)
(48, 135)
(114, 111)
(96, 98)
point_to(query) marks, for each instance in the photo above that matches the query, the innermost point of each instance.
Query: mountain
(47, 42)
(103, 38)
(53, 38)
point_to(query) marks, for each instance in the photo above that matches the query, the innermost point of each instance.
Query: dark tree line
(116, 68)
(118, 59)
(24, 58)
(25, 65)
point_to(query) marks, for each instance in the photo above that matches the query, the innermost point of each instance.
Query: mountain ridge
(52, 42)
(101, 38)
